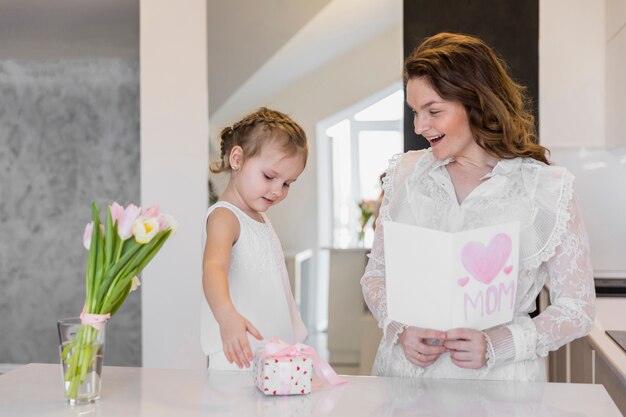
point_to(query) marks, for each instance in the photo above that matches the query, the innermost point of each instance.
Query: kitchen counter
(36, 390)
(610, 315)
(599, 357)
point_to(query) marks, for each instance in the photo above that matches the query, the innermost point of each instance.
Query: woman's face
(443, 123)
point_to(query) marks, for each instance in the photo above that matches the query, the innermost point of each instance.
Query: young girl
(244, 274)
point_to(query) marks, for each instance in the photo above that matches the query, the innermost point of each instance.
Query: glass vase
(361, 236)
(81, 349)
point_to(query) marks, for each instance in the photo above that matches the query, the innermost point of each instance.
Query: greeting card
(442, 280)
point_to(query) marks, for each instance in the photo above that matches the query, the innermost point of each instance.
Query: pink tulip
(125, 226)
(87, 235)
(152, 211)
(117, 212)
(167, 222)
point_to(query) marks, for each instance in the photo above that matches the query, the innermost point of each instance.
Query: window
(361, 146)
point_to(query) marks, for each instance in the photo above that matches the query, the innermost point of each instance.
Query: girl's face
(443, 123)
(263, 180)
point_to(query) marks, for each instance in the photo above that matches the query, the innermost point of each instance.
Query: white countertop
(36, 390)
(610, 315)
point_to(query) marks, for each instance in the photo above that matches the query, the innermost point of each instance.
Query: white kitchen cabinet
(596, 358)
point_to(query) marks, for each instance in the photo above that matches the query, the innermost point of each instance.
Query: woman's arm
(374, 291)
(373, 280)
(572, 296)
(222, 233)
(412, 339)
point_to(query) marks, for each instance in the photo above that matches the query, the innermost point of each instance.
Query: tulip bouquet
(118, 250)
(367, 208)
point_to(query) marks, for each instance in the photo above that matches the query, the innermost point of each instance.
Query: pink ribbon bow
(276, 348)
(94, 320)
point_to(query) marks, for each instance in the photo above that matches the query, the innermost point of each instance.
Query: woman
(484, 167)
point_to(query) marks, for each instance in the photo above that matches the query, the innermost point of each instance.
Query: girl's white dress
(259, 288)
(553, 250)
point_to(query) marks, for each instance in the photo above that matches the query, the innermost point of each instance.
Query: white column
(174, 174)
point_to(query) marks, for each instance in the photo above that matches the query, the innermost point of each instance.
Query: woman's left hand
(467, 347)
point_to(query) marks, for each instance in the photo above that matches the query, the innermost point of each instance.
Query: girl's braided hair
(255, 130)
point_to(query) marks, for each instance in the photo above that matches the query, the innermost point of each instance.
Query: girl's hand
(467, 347)
(420, 345)
(234, 329)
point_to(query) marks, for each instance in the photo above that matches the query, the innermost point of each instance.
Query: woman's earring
(235, 167)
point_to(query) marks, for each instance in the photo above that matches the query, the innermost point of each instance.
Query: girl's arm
(222, 233)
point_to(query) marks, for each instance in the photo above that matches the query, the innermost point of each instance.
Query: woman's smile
(435, 140)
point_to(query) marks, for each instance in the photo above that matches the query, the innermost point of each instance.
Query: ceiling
(244, 34)
(255, 48)
(337, 28)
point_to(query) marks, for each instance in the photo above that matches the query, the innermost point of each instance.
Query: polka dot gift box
(282, 369)
(283, 376)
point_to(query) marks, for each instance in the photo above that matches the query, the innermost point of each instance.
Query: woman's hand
(234, 329)
(422, 346)
(467, 347)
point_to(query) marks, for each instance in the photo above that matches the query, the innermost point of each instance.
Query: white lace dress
(259, 288)
(553, 250)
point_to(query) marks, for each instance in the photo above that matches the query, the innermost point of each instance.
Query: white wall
(338, 28)
(572, 72)
(350, 78)
(174, 174)
(615, 72)
(582, 73)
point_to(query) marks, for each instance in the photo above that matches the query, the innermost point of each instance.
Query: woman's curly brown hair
(465, 69)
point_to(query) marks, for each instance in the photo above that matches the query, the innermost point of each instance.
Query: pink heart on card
(485, 263)
(507, 269)
(462, 281)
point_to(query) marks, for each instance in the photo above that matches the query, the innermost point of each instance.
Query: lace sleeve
(374, 291)
(572, 296)
(373, 280)
(572, 291)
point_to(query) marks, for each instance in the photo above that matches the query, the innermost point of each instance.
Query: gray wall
(69, 134)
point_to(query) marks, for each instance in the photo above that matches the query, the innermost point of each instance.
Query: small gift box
(282, 369)
(283, 375)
